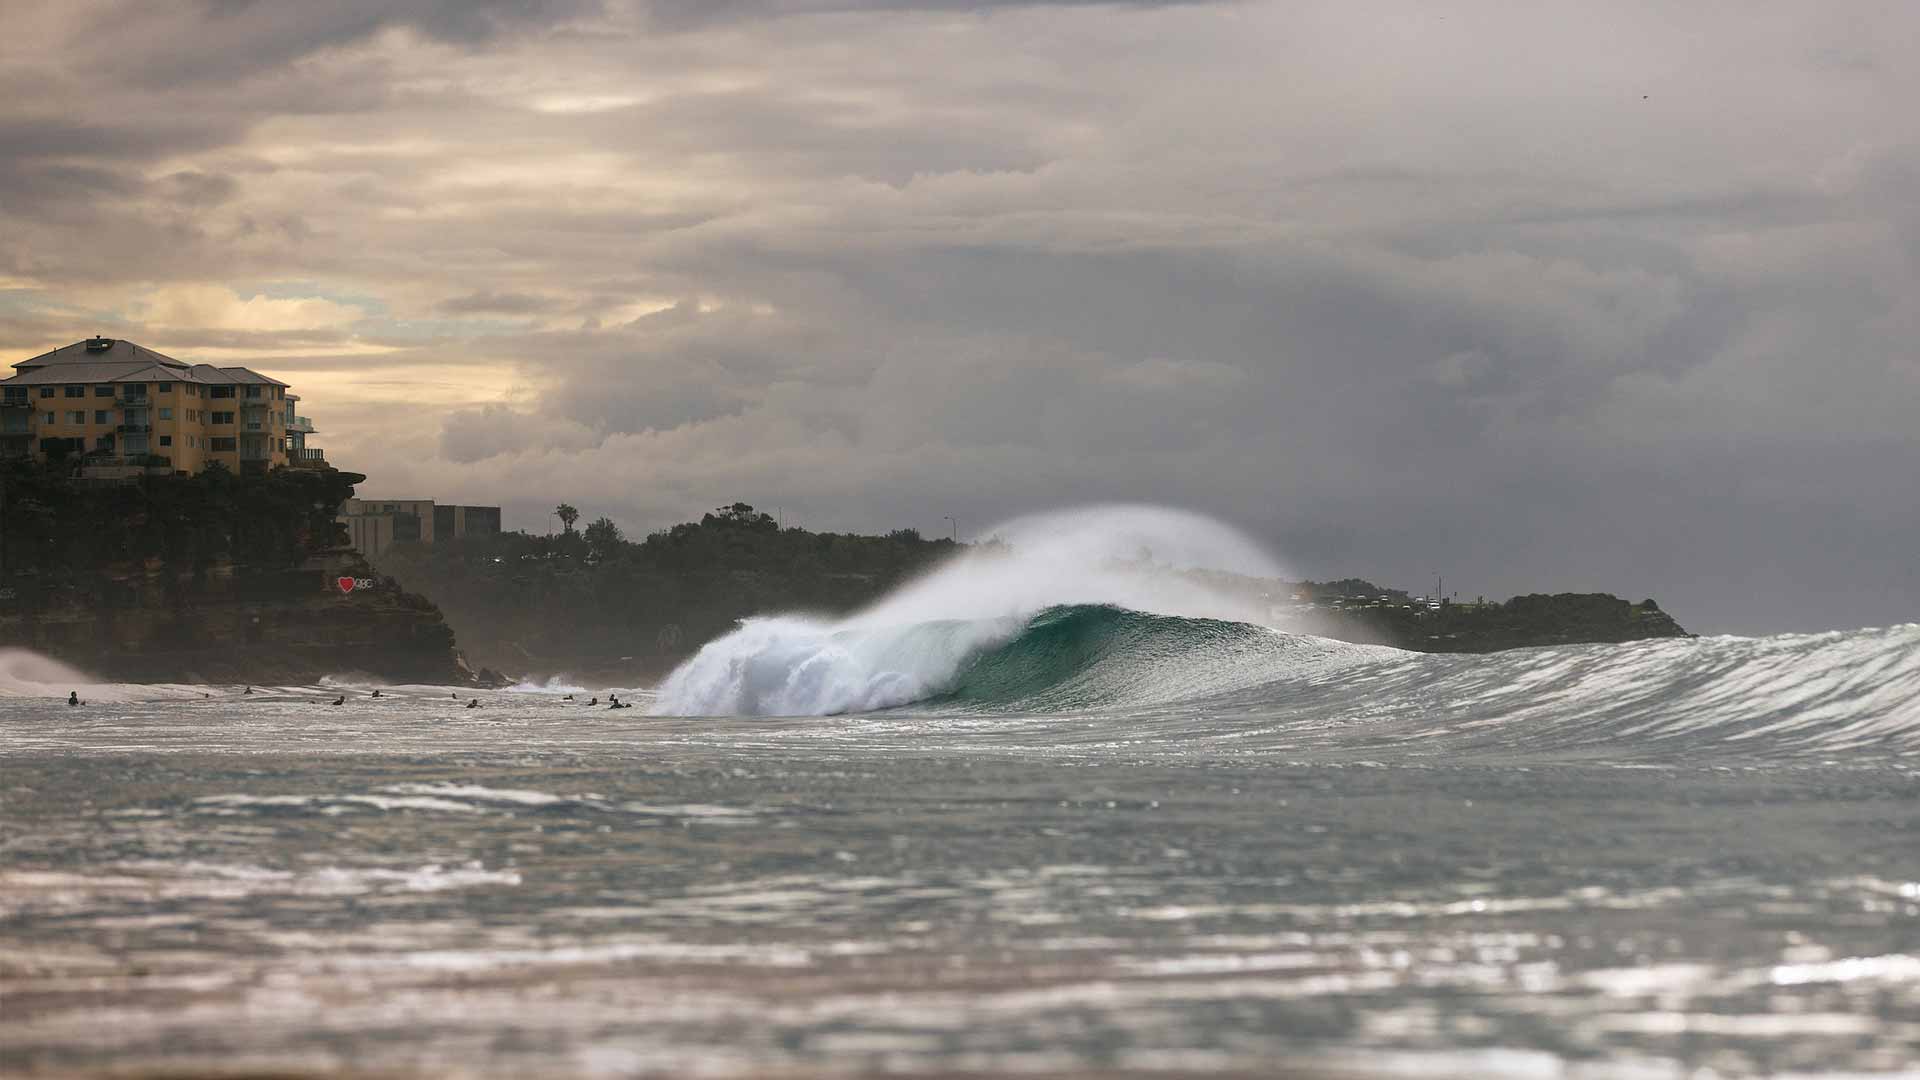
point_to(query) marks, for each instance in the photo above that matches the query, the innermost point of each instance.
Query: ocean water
(1085, 840)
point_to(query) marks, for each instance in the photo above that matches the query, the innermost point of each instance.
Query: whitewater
(1052, 811)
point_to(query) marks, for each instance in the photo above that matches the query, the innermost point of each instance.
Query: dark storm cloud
(220, 40)
(683, 13)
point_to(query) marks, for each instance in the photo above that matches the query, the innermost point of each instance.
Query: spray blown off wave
(27, 674)
(915, 643)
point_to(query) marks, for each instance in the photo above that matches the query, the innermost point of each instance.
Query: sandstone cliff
(291, 626)
(207, 579)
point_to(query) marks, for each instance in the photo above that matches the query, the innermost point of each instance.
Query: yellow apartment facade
(122, 409)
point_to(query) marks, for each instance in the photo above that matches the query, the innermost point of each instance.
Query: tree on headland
(740, 514)
(567, 515)
(604, 537)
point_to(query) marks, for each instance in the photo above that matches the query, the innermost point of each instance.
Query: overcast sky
(1537, 296)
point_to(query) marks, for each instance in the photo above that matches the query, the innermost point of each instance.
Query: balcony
(134, 429)
(16, 403)
(310, 458)
(300, 425)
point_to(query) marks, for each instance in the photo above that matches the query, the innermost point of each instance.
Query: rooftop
(107, 360)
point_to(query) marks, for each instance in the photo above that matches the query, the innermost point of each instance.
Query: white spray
(914, 642)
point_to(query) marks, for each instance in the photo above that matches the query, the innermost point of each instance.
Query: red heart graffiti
(346, 584)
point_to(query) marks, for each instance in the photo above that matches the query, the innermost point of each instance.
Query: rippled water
(402, 886)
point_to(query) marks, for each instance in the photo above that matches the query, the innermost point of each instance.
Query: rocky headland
(213, 578)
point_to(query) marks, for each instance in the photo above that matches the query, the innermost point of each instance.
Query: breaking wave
(1068, 626)
(913, 644)
(1827, 693)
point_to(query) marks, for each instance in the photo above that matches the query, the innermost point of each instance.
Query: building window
(229, 443)
(100, 415)
(76, 391)
(165, 387)
(253, 391)
(223, 418)
(166, 413)
(17, 393)
(219, 391)
(166, 440)
(46, 391)
(103, 391)
(50, 417)
(76, 416)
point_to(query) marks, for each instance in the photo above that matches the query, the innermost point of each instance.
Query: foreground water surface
(401, 886)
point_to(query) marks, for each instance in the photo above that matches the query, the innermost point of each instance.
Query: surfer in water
(248, 690)
(376, 693)
(73, 697)
(341, 700)
(473, 703)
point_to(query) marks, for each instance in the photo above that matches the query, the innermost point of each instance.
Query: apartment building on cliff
(122, 409)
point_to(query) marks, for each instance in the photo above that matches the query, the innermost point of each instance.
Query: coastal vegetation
(60, 531)
(1485, 626)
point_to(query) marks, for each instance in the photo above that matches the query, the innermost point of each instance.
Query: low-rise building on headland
(122, 409)
(374, 525)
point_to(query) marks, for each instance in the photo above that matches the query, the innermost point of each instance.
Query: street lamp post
(951, 520)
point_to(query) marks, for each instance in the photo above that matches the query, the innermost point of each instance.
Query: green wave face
(1088, 656)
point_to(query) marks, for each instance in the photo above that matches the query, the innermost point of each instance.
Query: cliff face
(143, 623)
(212, 577)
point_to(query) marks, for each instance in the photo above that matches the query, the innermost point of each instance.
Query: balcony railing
(301, 425)
(16, 403)
(134, 429)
